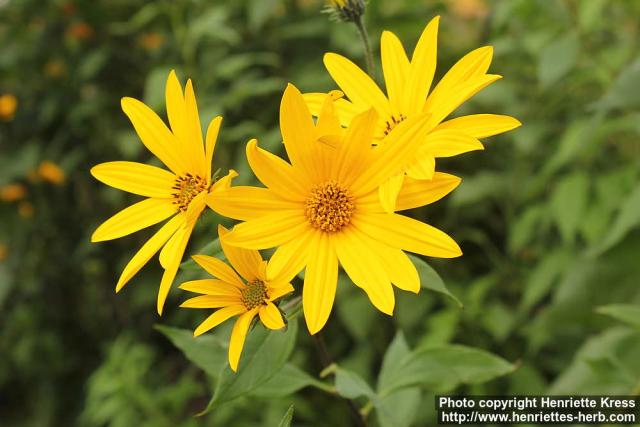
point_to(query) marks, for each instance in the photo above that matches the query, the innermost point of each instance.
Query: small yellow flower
(234, 297)
(323, 208)
(8, 106)
(12, 192)
(178, 194)
(51, 172)
(408, 86)
(26, 210)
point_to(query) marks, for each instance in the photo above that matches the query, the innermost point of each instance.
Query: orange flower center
(254, 294)
(393, 122)
(187, 187)
(329, 207)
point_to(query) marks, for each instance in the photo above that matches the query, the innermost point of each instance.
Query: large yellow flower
(323, 207)
(233, 297)
(178, 193)
(408, 84)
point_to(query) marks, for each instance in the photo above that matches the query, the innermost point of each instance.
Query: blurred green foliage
(548, 215)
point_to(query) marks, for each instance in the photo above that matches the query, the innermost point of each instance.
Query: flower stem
(327, 361)
(359, 23)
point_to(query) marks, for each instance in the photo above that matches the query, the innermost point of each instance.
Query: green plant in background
(548, 221)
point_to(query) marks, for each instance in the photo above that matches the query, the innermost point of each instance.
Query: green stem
(368, 53)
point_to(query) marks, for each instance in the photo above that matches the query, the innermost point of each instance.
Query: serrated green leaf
(207, 352)
(429, 278)
(627, 313)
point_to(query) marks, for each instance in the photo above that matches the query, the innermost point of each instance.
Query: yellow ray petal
(388, 192)
(271, 317)
(278, 175)
(394, 155)
(473, 65)
(346, 110)
(328, 123)
(173, 257)
(395, 67)
(218, 317)
(177, 115)
(149, 249)
(354, 150)
(397, 264)
(154, 134)
(136, 217)
(415, 193)
(268, 231)
(211, 301)
(364, 268)
(211, 287)
(218, 268)
(194, 129)
(408, 234)
(238, 335)
(422, 69)
(289, 259)
(244, 261)
(320, 282)
(448, 143)
(279, 291)
(224, 183)
(481, 125)
(245, 203)
(422, 167)
(195, 208)
(136, 178)
(356, 84)
(212, 137)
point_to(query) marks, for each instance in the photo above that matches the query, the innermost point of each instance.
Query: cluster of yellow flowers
(334, 202)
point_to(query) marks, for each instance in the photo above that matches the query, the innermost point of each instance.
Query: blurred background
(548, 216)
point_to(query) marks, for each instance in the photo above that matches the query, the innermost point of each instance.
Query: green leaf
(399, 408)
(396, 352)
(627, 313)
(627, 219)
(568, 203)
(351, 385)
(624, 92)
(212, 249)
(543, 276)
(208, 352)
(558, 58)
(445, 367)
(265, 354)
(429, 279)
(288, 417)
(288, 381)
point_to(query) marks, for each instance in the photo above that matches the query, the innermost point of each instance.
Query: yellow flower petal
(408, 234)
(364, 268)
(278, 175)
(195, 128)
(415, 193)
(320, 282)
(211, 287)
(353, 154)
(290, 258)
(481, 125)
(172, 257)
(212, 301)
(271, 317)
(136, 178)
(346, 110)
(388, 192)
(422, 69)
(395, 67)
(356, 84)
(218, 317)
(448, 143)
(245, 203)
(279, 291)
(422, 167)
(244, 261)
(218, 268)
(238, 335)
(154, 134)
(149, 249)
(328, 123)
(268, 231)
(195, 208)
(136, 217)
(398, 266)
(212, 137)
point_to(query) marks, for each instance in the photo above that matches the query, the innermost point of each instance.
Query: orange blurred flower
(80, 31)
(3, 251)
(8, 105)
(26, 210)
(55, 68)
(68, 8)
(151, 41)
(12, 192)
(469, 9)
(51, 172)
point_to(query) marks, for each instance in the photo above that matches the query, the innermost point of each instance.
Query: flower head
(347, 10)
(233, 296)
(51, 172)
(408, 95)
(178, 193)
(12, 192)
(323, 208)
(8, 105)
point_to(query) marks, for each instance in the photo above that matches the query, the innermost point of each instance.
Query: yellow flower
(233, 297)
(12, 192)
(8, 105)
(51, 172)
(324, 207)
(408, 84)
(178, 193)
